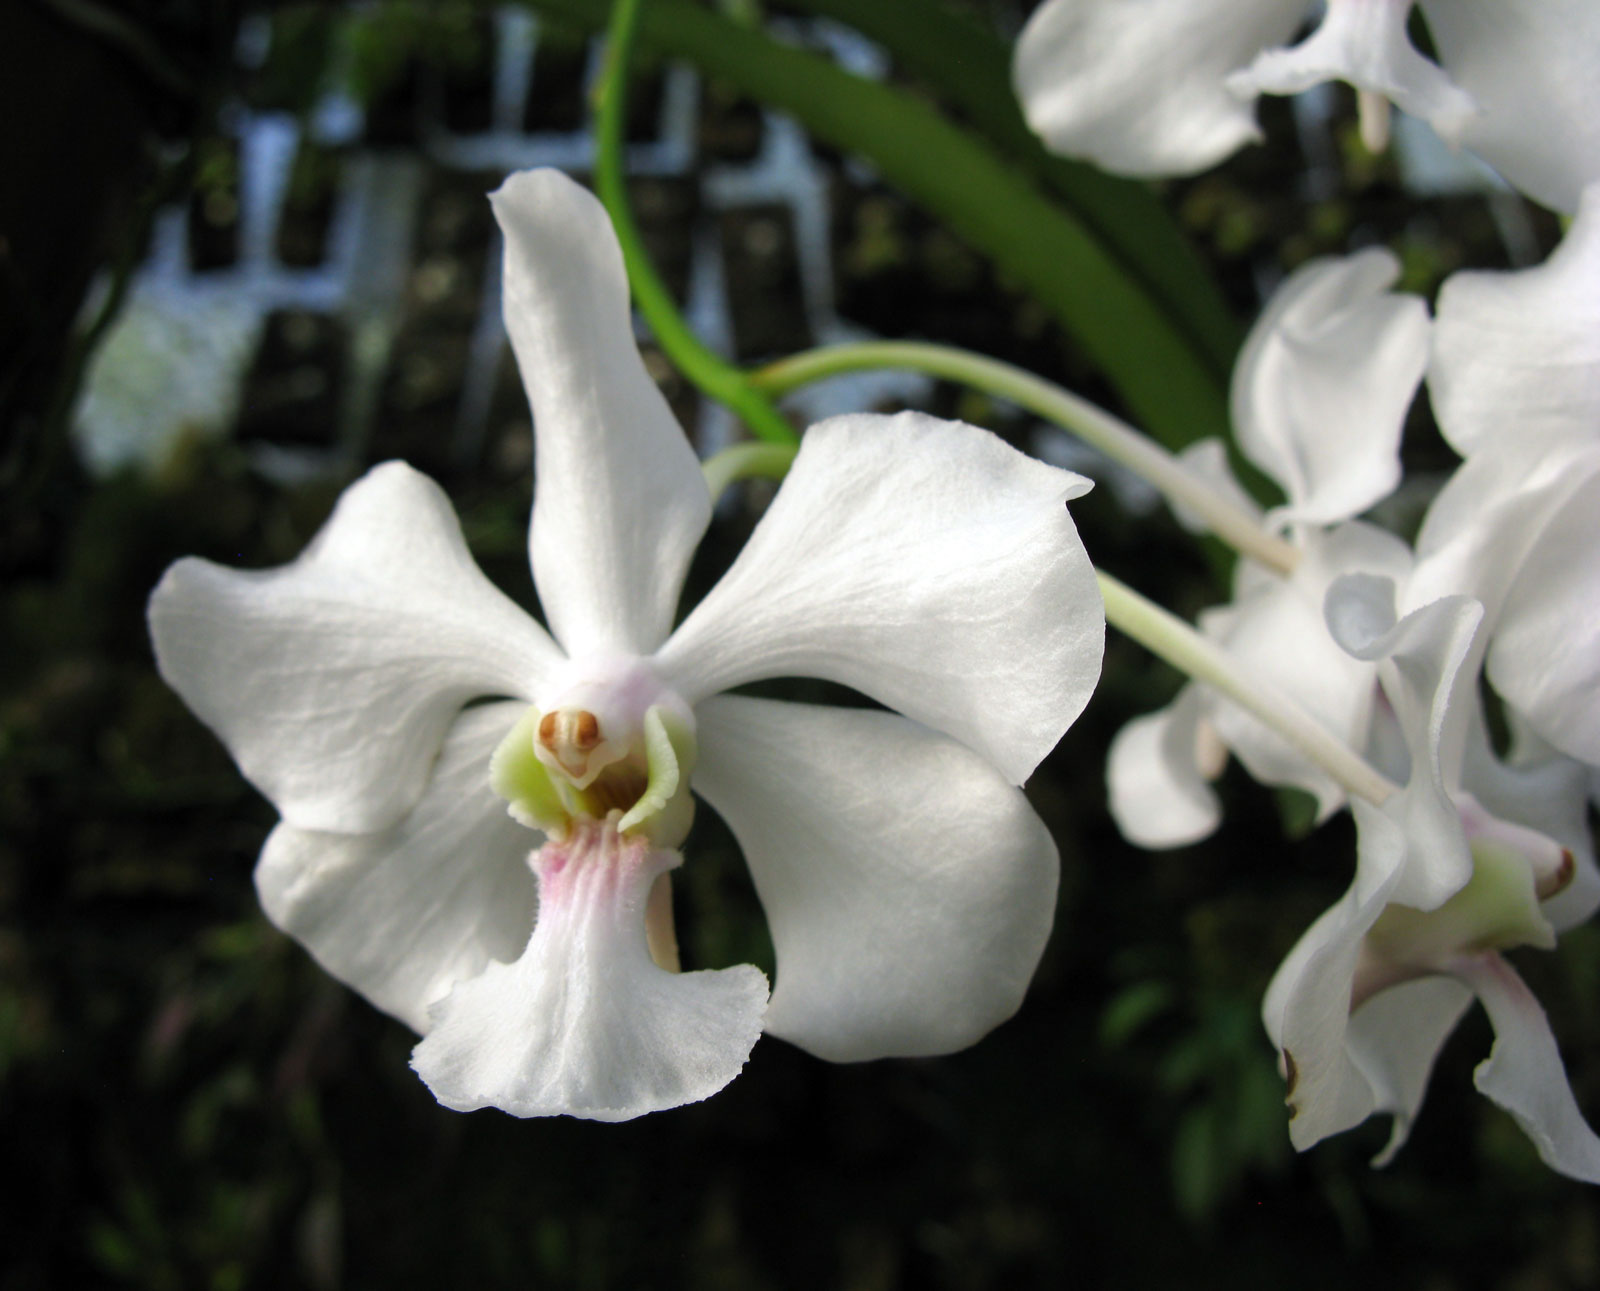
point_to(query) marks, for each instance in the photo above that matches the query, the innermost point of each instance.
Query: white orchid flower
(1319, 398)
(1164, 87)
(1363, 1003)
(393, 705)
(1515, 381)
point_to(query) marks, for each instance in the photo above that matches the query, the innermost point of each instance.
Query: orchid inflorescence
(481, 814)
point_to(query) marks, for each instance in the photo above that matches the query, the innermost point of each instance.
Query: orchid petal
(619, 500)
(925, 563)
(1524, 1073)
(1529, 65)
(1426, 662)
(1138, 85)
(332, 680)
(1545, 655)
(1364, 42)
(909, 888)
(1157, 789)
(584, 1023)
(1492, 513)
(1275, 631)
(1394, 1039)
(1506, 531)
(1516, 356)
(403, 914)
(1321, 388)
(1307, 1005)
(1542, 790)
(1479, 526)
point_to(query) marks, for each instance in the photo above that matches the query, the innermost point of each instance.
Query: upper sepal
(619, 500)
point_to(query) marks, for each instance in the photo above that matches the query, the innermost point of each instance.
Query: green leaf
(1196, 1163)
(1133, 1009)
(981, 195)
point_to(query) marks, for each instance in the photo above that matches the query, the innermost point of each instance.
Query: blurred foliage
(187, 1101)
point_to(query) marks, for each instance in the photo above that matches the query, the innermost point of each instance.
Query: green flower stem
(1116, 439)
(716, 377)
(1171, 639)
(746, 461)
(980, 195)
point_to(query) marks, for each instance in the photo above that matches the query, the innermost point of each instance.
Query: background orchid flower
(1159, 87)
(1363, 1003)
(1319, 398)
(391, 702)
(1515, 380)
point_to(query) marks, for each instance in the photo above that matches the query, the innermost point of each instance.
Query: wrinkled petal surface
(332, 680)
(1364, 42)
(1524, 1072)
(925, 563)
(1530, 66)
(584, 1023)
(619, 500)
(1516, 356)
(1138, 86)
(404, 913)
(909, 888)
(1157, 789)
(1321, 388)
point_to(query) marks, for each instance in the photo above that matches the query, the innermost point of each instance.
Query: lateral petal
(1545, 655)
(1516, 356)
(1529, 65)
(584, 1023)
(1156, 788)
(403, 914)
(1139, 87)
(333, 679)
(1322, 385)
(619, 500)
(1524, 1072)
(924, 562)
(909, 888)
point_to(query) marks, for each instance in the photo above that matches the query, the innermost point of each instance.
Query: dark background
(186, 1101)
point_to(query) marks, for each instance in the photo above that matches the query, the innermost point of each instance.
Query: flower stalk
(746, 462)
(1177, 643)
(713, 375)
(1089, 422)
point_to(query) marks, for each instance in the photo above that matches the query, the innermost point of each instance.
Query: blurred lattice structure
(354, 253)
